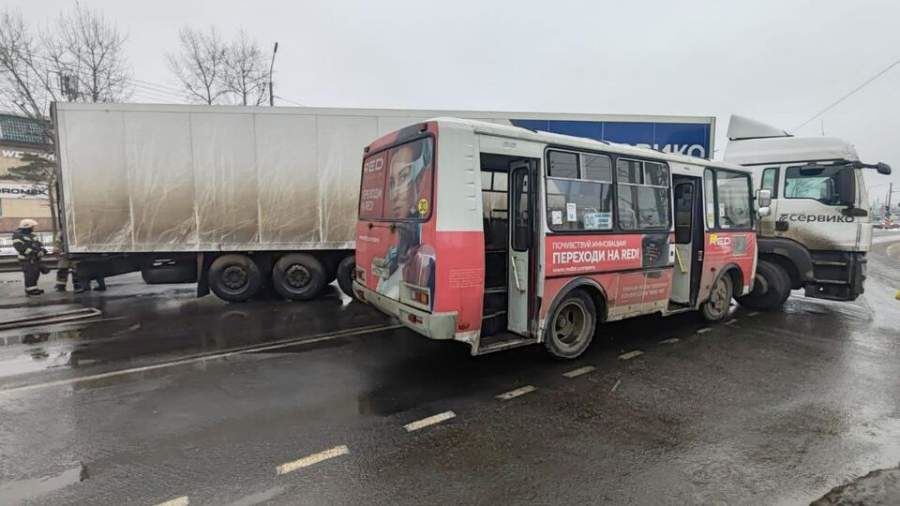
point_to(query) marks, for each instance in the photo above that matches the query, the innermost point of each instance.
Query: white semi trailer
(240, 198)
(819, 230)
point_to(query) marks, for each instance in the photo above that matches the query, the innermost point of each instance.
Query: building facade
(20, 139)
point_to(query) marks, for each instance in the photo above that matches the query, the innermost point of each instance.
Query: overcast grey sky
(776, 61)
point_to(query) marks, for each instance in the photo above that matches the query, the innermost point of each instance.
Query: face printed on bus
(402, 183)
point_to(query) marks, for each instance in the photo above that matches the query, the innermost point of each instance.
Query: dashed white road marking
(574, 373)
(512, 394)
(178, 501)
(671, 340)
(431, 420)
(731, 322)
(309, 460)
(630, 355)
(704, 330)
(203, 358)
(754, 313)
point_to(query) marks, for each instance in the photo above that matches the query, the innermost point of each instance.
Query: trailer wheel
(299, 276)
(235, 278)
(715, 309)
(345, 275)
(571, 328)
(771, 287)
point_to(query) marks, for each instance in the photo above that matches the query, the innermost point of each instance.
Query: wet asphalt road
(167, 396)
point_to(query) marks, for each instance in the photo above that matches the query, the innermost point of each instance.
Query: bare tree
(82, 49)
(25, 85)
(90, 48)
(200, 65)
(245, 70)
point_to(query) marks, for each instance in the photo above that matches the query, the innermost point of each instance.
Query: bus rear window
(397, 183)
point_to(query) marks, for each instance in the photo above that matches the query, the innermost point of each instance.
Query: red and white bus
(499, 236)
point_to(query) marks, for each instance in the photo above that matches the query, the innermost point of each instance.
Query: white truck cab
(818, 231)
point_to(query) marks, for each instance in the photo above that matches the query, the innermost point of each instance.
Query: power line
(292, 102)
(848, 95)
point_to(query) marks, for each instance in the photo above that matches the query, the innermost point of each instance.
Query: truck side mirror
(846, 187)
(763, 198)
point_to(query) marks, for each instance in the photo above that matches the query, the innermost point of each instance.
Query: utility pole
(271, 85)
(890, 191)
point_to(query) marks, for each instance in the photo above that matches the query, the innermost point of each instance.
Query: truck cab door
(819, 207)
(811, 208)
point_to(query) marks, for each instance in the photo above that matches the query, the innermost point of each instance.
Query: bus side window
(770, 181)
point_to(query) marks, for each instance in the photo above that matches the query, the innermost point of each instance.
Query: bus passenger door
(688, 239)
(520, 245)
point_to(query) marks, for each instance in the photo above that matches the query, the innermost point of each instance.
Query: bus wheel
(716, 308)
(345, 275)
(571, 328)
(771, 288)
(298, 276)
(234, 278)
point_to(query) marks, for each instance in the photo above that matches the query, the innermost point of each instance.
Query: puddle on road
(16, 492)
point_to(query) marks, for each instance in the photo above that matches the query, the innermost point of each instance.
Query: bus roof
(484, 127)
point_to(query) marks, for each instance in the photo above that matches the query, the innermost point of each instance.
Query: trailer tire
(234, 278)
(571, 329)
(771, 288)
(345, 275)
(299, 276)
(715, 309)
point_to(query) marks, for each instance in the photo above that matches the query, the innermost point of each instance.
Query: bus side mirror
(883, 168)
(846, 187)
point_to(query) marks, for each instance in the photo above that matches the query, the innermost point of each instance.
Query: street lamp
(271, 67)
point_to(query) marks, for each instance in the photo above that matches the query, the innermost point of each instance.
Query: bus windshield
(397, 183)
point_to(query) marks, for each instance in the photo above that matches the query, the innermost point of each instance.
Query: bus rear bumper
(431, 325)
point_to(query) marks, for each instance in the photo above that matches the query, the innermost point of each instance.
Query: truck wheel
(715, 309)
(345, 275)
(571, 328)
(299, 276)
(235, 278)
(771, 287)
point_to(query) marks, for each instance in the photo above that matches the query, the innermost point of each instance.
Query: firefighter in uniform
(30, 251)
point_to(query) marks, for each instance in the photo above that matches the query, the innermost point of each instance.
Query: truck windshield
(397, 183)
(817, 184)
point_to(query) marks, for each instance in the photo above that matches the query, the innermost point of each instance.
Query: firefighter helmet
(27, 223)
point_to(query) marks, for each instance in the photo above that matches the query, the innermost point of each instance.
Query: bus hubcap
(234, 277)
(297, 276)
(570, 323)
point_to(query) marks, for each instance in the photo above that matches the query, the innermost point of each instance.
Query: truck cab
(818, 229)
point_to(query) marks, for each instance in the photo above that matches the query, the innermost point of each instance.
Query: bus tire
(345, 275)
(771, 288)
(234, 278)
(715, 309)
(298, 276)
(570, 329)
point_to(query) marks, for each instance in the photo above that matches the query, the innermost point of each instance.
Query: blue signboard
(692, 139)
